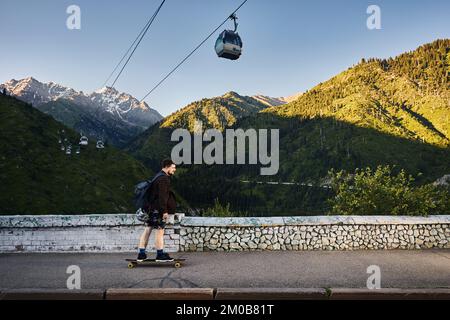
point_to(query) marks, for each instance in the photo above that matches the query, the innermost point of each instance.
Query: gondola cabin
(229, 45)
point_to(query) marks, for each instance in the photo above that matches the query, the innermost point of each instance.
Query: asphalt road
(306, 269)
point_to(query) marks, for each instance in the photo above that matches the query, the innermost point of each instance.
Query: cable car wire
(126, 53)
(192, 52)
(141, 35)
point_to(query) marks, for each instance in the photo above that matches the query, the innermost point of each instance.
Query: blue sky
(289, 45)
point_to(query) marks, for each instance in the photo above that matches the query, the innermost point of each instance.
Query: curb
(227, 294)
(271, 294)
(51, 294)
(389, 294)
(160, 294)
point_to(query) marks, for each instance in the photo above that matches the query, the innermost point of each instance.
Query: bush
(219, 210)
(380, 192)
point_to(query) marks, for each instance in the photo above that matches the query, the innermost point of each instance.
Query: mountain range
(104, 114)
(111, 115)
(391, 111)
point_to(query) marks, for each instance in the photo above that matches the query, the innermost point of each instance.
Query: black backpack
(141, 191)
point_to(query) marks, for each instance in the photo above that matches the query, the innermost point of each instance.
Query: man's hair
(167, 163)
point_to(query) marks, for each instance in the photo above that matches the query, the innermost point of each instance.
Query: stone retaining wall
(88, 233)
(120, 233)
(314, 233)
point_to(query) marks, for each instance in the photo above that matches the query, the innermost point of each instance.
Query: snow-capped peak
(106, 90)
(115, 101)
(108, 99)
(35, 92)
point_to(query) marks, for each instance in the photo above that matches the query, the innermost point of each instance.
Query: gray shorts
(155, 220)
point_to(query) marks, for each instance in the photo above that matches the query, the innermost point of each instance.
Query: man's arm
(163, 194)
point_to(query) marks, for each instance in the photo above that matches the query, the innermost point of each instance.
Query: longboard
(133, 262)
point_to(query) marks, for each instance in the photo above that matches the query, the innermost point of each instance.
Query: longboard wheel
(177, 265)
(131, 265)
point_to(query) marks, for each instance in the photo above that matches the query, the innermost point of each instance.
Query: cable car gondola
(83, 141)
(229, 43)
(100, 144)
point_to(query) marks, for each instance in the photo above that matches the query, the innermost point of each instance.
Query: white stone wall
(86, 233)
(314, 233)
(120, 233)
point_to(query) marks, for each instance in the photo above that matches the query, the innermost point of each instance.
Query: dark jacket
(162, 198)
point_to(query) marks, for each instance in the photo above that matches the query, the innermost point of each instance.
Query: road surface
(301, 269)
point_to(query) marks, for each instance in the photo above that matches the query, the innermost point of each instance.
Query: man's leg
(160, 254)
(159, 239)
(143, 241)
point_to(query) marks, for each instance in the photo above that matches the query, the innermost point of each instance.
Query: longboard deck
(133, 262)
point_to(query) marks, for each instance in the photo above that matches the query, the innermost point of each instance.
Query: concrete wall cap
(92, 220)
(311, 220)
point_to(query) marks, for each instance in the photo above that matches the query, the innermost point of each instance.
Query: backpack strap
(159, 174)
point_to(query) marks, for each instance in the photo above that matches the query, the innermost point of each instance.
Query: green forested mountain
(393, 111)
(407, 96)
(218, 112)
(37, 177)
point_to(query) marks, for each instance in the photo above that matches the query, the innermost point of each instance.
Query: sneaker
(164, 257)
(141, 257)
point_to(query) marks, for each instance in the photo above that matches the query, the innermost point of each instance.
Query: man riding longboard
(161, 203)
